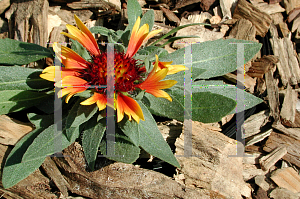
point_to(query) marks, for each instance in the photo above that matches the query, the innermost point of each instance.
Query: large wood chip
(36, 186)
(53, 173)
(291, 132)
(203, 33)
(288, 66)
(92, 4)
(268, 8)
(259, 19)
(261, 194)
(170, 15)
(287, 178)
(280, 193)
(293, 14)
(262, 65)
(119, 180)
(258, 137)
(288, 110)
(206, 4)
(227, 7)
(68, 16)
(12, 130)
(210, 166)
(4, 4)
(273, 95)
(243, 29)
(292, 145)
(183, 3)
(260, 181)
(296, 26)
(28, 21)
(292, 59)
(291, 5)
(284, 29)
(254, 123)
(250, 171)
(266, 162)
(56, 36)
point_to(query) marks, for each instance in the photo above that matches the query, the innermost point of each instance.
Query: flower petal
(138, 37)
(68, 90)
(152, 34)
(73, 92)
(162, 65)
(135, 30)
(57, 49)
(160, 93)
(120, 109)
(82, 38)
(172, 69)
(73, 64)
(51, 73)
(98, 98)
(130, 107)
(153, 83)
(176, 68)
(71, 81)
(69, 53)
(48, 73)
(84, 29)
(158, 85)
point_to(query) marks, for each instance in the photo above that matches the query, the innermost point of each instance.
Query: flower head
(78, 75)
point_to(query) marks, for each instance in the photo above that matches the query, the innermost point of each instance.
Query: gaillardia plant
(79, 75)
(68, 102)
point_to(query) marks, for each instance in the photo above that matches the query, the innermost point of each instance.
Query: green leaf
(115, 39)
(229, 91)
(77, 47)
(130, 129)
(176, 29)
(210, 107)
(206, 107)
(16, 100)
(151, 139)
(140, 95)
(134, 11)
(148, 18)
(112, 36)
(41, 121)
(78, 115)
(163, 107)
(15, 169)
(125, 36)
(91, 138)
(47, 106)
(216, 57)
(151, 51)
(124, 150)
(147, 55)
(21, 78)
(101, 30)
(48, 142)
(14, 52)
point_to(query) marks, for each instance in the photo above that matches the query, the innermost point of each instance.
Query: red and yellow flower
(78, 75)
